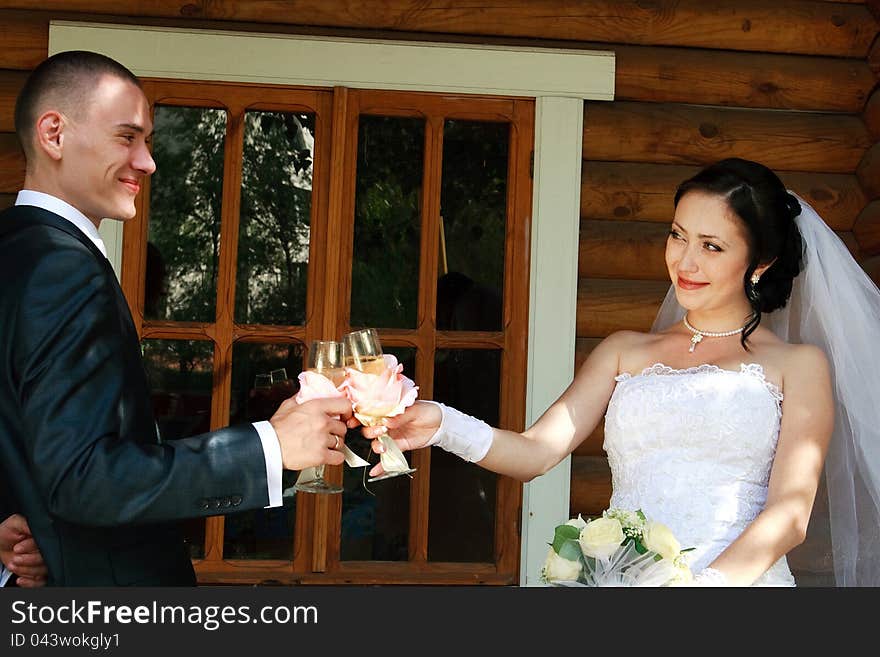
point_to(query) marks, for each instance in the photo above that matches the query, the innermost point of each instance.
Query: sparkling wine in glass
(362, 351)
(324, 358)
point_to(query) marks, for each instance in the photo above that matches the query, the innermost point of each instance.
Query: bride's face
(707, 255)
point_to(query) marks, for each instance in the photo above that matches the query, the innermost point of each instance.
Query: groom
(80, 455)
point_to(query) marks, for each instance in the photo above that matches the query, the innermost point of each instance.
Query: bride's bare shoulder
(623, 341)
(789, 359)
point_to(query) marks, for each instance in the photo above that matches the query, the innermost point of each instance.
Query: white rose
(683, 575)
(658, 538)
(578, 522)
(556, 568)
(601, 537)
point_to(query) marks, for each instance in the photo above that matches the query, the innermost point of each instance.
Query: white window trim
(558, 79)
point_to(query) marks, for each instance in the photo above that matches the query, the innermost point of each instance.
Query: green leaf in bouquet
(640, 547)
(571, 550)
(641, 515)
(564, 533)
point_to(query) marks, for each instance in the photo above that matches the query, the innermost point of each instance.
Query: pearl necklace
(699, 335)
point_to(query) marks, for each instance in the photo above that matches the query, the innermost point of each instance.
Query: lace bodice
(693, 448)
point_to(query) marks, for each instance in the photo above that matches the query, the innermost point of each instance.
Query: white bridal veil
(836, 306)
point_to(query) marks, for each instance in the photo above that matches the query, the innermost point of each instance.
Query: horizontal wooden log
(11, 83)
(590, 485)
(623, 249)
(738, 79)
(868, 172)
(787, 26)
(606, 306)
(644, 192)
(871, 115)
(156, 8)
(11, 164)
(679, 134)
(25, 39)
(867, 230)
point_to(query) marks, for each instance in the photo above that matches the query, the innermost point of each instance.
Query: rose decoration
(379, 395)
(313, 385)
(376, 396)
(658, 537)
(557, 568)
(601, 537)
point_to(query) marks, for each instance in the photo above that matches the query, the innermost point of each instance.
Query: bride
(715, 424)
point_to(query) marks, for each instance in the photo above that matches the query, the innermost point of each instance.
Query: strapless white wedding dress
(693, 448)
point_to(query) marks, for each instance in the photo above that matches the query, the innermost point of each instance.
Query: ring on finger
(336, 446)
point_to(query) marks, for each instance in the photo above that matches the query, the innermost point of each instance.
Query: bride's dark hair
(767, 210)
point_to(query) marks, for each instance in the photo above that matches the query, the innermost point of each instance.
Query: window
(279, 215)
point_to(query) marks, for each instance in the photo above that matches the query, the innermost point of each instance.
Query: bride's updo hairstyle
(767, 211)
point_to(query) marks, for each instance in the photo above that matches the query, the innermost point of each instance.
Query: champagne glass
(362, 351)
(325, 358)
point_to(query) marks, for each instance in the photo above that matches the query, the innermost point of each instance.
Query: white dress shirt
(268, 437)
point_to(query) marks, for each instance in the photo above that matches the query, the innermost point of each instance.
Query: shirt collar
(64, 210)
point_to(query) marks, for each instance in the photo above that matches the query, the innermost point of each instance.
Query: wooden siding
(792, 84)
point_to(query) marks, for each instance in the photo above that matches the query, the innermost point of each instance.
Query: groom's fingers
(373, 432)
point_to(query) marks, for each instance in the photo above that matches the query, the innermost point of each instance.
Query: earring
(755, 279)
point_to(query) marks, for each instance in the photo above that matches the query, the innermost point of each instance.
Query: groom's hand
(411, 430)
(311, 433)
(20, 554)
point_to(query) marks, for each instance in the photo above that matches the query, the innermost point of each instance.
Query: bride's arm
(562, 427)
(807, 422)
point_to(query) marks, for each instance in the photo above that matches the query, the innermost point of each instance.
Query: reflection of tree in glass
(385, 262)
(276, 193)
(474, 202)
(185, 202)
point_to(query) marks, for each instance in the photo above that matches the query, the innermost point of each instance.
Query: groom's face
(106, 156)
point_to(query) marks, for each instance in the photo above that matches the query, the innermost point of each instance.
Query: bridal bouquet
(620, 548)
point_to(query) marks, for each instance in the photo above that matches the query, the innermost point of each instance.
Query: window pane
(180, 378)
(185, 199)
(375, 516)
(461, 518)
(385, 266)
(263, 375)
(473, 201)
(276, 200)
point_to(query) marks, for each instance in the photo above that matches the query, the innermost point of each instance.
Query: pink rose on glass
(377, 389)
(315, 386)
(376, 396)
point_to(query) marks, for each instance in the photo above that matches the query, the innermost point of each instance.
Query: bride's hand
(410, 430)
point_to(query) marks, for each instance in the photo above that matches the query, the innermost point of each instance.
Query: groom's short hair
(64, 82)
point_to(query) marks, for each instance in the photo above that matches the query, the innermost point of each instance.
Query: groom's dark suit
(80, 453)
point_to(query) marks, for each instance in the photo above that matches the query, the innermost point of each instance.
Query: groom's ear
(49, 135)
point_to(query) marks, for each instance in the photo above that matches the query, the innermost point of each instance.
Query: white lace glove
(462, 435)
(709, 577)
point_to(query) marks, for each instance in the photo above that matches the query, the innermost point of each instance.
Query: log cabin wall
(792, 84)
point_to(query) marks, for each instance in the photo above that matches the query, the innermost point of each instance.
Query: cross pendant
(694, 340)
